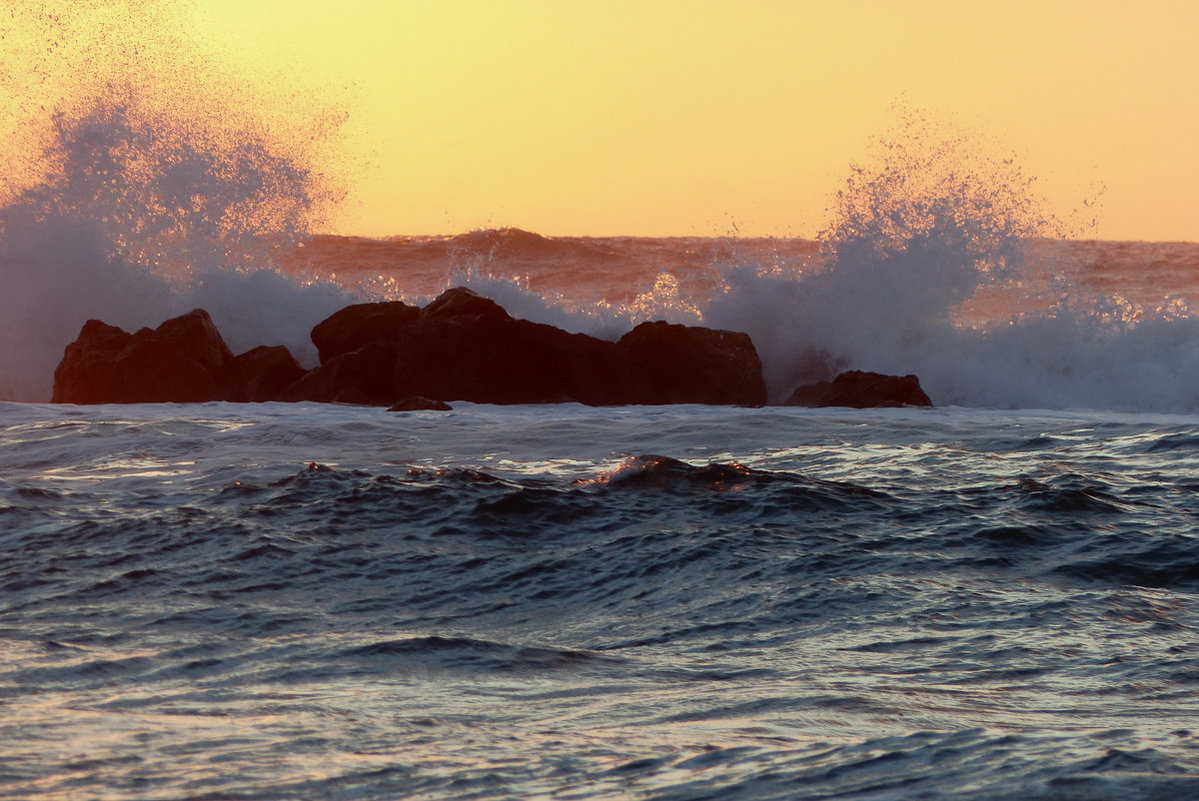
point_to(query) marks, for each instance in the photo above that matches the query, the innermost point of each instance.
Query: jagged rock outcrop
(862, 390)
(466, 347)
(182, 360)
(461, 347)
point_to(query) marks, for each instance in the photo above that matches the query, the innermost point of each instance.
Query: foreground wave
(296, 601)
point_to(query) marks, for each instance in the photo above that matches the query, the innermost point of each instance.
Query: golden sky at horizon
(586, 117)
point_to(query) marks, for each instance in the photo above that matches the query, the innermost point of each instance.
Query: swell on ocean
(132, 205)
(296, 601)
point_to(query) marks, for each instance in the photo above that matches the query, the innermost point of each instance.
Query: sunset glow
(678, 118)
(683, 118)
(599, 399)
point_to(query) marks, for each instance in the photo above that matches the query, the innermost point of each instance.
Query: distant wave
(937, 260)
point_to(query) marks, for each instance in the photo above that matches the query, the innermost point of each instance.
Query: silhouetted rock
(415, 404)
(355, 326)
(364, 376)
(463, 305)
(862, 390)
(462, 346)
(183, 360)
(685, 364)
(467, 347)
(261, 374)
(88, 371)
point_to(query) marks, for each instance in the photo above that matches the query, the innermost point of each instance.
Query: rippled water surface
(297, 601)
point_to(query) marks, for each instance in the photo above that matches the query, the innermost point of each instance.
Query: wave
(123, 203)
(468, 653)
(937, 259)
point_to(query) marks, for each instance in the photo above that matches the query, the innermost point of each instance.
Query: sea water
(306, 601)
(995, 598)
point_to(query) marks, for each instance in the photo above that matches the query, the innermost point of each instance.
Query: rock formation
(182, 360)
(702, 365)
(461, 347)
(862, 390)
(261, 374)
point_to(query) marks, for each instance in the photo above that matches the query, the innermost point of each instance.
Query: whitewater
(991, 599)
(273, 601)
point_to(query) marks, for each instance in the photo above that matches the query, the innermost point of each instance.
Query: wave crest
(148, 180)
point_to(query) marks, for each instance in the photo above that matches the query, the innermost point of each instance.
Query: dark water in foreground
(562, 602)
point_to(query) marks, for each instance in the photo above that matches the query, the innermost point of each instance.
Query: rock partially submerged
(417, 404)
(183, 360)
(701, 364)
(862, 390)
(461, 347)
(465, 347)
(261, 374)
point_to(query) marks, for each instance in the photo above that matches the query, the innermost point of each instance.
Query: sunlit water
(327, 602)
(303, 601)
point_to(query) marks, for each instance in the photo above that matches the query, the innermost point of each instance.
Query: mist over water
(295, 601)
(147, 184)
(171, 186)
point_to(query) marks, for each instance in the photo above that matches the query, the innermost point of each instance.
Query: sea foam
(131, 206)
(136, 199)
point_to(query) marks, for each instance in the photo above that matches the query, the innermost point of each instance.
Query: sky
(662, 118)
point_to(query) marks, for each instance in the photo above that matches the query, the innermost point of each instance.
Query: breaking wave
(146, 183)
(149, 183)
(938, 259)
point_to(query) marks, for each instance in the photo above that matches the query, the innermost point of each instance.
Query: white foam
(140, 218)
(131, 206)
(58, 272)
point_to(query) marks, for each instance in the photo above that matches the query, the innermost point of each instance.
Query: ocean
(991, 599)
(312, 601)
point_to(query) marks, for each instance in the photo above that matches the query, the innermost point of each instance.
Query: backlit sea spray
(992, 599)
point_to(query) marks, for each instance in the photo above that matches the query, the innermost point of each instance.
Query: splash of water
(919, 236)
(917, 230)
(146, 184)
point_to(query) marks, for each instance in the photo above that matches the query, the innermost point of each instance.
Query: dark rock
(355, 326)
(417, 403)
(489, 357)
(262, 374)
(87, 372)
(462, 346)
(364, 376)
(862, 390)
(183, 360)
(685, 364)
(195, 335)
(464, 305)
(811, 395)
(466, 347)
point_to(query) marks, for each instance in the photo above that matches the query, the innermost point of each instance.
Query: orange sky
(665, 117)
